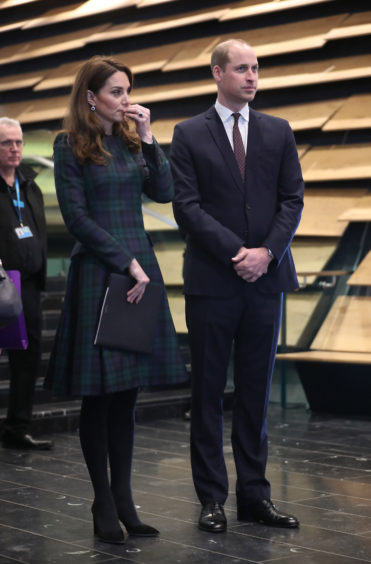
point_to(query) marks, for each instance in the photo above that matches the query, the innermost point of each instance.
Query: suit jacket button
(248, 207)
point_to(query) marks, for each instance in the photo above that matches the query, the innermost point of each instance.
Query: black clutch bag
(126, 326)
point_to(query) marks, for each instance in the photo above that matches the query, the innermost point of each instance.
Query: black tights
(107, 425)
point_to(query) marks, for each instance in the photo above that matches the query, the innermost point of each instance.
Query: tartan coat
(102, 208)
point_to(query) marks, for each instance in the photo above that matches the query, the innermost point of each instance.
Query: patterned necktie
(239, 149)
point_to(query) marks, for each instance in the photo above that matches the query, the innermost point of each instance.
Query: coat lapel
(216, 128)
(254, 146)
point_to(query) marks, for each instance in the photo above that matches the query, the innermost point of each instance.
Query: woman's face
(112, 100)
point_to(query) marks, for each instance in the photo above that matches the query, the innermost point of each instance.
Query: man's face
(11, 145)
(238, 82)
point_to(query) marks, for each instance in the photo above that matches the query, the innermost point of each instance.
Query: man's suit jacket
(219, 213)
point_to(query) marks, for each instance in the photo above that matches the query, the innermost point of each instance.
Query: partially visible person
(23, 248)
(238, 199)
(104, 161)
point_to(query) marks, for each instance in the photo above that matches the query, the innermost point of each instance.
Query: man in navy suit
(238, 200)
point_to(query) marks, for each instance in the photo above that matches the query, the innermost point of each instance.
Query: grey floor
(319, 467)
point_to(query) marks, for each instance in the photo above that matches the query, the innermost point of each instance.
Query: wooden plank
(313, 115)
(12, 26)
(62, 76)
(146, 3)
(146, 60)
(193, 53)
(14, 109)
(318, 72)
(158, 217)
(326, 356)
(172, 91)
(272, 40)
(18, 81)
(299, 308)
(143, 60)
(78, 11)
(322, 207)
(342, 162)
(355, 25)
(13, 3)
(170, 258)
(362, 275)
(268, 7)
(156, 25)
(302, 149)
(289, 76)
(176, 303)
(310, 255)
(163, 129)
(353, 114)
(360, 212)
(45, 110)
(347, 327)
(47, 46)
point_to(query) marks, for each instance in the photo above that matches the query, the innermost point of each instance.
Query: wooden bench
(340, 162)
(335, 372)
(323, 207)
(344, 335)
(361, 212)
(327, 356)
(354, 113)
(313, 115)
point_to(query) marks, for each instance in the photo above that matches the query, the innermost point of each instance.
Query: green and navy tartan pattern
(102, 208)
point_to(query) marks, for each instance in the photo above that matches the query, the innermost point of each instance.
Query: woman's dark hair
(83, 125)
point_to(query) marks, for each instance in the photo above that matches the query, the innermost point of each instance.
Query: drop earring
(92, 108)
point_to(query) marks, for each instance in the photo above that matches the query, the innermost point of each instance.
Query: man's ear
(91, 98)
(217, 72)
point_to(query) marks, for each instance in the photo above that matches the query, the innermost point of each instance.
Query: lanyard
(17, 203)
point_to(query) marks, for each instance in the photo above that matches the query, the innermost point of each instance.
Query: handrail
(334, 274)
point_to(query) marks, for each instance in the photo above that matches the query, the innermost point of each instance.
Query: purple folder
(14, 336)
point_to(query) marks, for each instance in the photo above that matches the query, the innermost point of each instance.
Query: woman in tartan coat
(104, 161)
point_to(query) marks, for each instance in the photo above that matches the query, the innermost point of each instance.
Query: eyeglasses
(9, 143)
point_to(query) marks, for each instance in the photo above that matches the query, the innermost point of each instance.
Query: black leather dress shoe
(212, 518)
(266, 513)
(24, 441)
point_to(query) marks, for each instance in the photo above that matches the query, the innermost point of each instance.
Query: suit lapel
(254, 145)
(217, 131)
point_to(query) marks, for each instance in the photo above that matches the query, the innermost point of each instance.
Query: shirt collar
(225, 113)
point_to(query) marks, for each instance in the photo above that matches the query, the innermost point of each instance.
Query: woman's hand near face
(142, 118)
(135, 294)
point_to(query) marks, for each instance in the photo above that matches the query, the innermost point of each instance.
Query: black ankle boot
(140, 530)
(104, 535)
(129, 518)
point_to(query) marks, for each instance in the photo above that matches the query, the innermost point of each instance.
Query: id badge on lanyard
(23, 231)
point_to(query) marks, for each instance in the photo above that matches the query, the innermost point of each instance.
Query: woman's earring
(92, 108)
